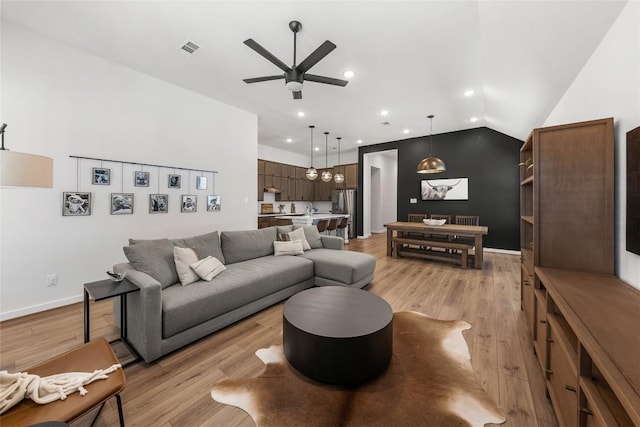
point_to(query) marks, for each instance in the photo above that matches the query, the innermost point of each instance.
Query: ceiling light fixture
(300, 113)
(326, 173)
(406, 131)
(311, 173)
(289, 140)
(468, 92)
(348, 74)
(338, 177)
(24, 170)
(473, 119)
(384, 112)
(431, 164)
(359, 141)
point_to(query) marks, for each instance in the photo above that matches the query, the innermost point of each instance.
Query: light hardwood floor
(175, 390)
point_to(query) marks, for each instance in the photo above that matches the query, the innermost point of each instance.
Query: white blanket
(22, 385)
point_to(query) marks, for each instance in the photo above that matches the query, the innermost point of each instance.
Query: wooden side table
(105, 289)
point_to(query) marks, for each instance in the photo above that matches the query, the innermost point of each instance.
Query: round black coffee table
(338, 335)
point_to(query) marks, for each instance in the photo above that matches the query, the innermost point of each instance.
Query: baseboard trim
(39, 307)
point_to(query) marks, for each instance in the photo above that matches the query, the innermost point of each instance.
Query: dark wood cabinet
(351, 175)
(578, 313)
(272, 168)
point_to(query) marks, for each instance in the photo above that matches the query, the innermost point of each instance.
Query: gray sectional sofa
(165, 315)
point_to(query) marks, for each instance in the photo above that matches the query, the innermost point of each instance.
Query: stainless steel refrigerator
(344, 201)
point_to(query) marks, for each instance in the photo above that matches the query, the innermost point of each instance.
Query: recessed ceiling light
(300, 113)
(406, 131)
(359, 141)
(384, 112)
(289, 140)
(316, 149)
(474, 119)
(468, 92)
(348, 74)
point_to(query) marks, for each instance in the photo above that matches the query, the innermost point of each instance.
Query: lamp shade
(338, 178)
(25, 170)
(431, 165)
(312, 173)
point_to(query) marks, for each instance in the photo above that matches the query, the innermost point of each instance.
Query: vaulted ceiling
(410, 58)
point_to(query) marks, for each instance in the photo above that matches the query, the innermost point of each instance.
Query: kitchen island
(313, 220)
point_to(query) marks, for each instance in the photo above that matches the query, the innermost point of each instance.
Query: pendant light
(431, 164)
(23, 169)
(339, 177)
(326, 173)
(312, 173)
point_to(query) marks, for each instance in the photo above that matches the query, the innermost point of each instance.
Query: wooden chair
(467, 220)
(333, 224)
(416, 217)
(322, 225)
(342, 225)
(91, 356)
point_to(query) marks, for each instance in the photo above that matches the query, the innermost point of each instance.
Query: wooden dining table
(472, 231)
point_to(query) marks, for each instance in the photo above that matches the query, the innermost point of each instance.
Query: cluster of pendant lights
(326, 175)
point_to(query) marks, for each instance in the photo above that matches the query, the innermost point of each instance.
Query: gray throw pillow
(243, 245)
(155, 258)
(312, 234)
(205, 245)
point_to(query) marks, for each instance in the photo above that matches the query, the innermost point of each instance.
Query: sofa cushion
(342, 266)
(184, 257)
(153, 257)
(240, 284)
(205, 245)
(299, 235)
(244, 245)
(293, 247)
(208, 268)
(311, 234)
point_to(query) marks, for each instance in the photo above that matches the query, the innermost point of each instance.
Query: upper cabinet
(293, 185)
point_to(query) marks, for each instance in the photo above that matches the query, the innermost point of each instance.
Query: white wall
(58, 102)
(609, 86)
(386, 195)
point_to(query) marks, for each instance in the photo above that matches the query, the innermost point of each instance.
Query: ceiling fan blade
(311, 60)
(266, 54)
(263, 79)
(297, 95)
(323, 79)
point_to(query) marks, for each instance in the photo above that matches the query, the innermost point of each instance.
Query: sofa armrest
(144, 312)
(332, 242)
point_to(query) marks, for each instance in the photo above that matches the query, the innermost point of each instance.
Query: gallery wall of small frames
(155, 177)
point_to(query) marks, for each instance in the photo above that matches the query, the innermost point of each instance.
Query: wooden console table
(587, 339)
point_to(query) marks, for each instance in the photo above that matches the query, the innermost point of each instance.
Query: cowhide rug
(429, 382)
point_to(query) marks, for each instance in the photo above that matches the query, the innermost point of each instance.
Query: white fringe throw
(22, 385)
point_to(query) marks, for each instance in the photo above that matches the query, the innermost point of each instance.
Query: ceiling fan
(295, 75)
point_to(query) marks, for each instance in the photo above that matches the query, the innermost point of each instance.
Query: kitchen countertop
(280, 214)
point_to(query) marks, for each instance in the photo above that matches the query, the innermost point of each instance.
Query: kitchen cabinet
(260, 180)
(272, 168)
(351, 175)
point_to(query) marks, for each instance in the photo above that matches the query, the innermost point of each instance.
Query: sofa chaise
(166, 315)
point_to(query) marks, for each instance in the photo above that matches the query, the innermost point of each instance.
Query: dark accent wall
(488, 158)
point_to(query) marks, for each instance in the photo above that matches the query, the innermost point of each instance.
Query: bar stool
(333, 224)
(94, 355)
(340, 228)
(322, 225)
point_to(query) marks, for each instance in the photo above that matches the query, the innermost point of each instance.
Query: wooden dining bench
(459, 256)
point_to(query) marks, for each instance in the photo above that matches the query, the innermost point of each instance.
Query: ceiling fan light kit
(296, 75)
(431, 164)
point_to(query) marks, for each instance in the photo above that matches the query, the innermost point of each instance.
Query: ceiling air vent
(189, 48)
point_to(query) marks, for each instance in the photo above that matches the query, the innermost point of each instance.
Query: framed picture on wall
(174, 181)
(121, 203)
(141, 179)
(76, 204)
(445, 189)
(158, 203)
(213, 203)
(189, 203)
(201, 183)
(100, 176)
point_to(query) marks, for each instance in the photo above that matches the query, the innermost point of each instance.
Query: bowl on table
(428, 221)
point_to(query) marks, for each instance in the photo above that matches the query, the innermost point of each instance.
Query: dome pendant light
(326, 173)
(431, 164)
(311, 173)
(339, 177)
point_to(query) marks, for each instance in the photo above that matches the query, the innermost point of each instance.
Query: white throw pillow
(299, 235)
(293, 247)
(184, 257)
(208, 268)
